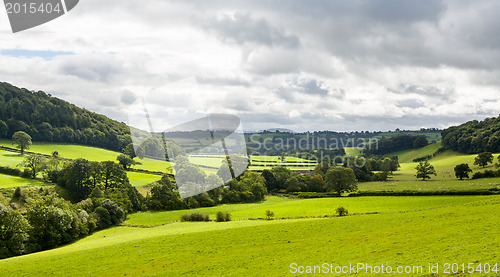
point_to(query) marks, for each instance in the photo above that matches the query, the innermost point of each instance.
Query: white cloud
(339, 65)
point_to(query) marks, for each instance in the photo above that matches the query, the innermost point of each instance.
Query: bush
(18, 193)
(10, 171)
(269, 214)
(486, 174)
(223, 216)
(102, 218)
(86, 205)
(341, 211)
(195, 217)
(117, 215)
(14, 237)
(26, 173)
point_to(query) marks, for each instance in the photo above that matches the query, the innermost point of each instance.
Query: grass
(431, 185)
(7, 181)
(10, 158)
(139, 179)
(407, 156)
(286, 207)
(463, 233)
(71, 151)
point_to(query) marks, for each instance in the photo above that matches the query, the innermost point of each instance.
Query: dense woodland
(394, 144)
(50, 119)
(474, 136)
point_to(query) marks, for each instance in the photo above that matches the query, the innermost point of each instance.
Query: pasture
(465, 231)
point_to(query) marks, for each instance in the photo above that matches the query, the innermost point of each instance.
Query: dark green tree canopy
(340, 180)
(483, 159)
(462, 171)
(474, 136)
(48, 118)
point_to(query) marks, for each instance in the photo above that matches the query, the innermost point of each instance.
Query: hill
(474, 136)
(460, 230)
(50, 119)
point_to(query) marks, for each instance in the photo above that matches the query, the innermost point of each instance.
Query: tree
(424, 170)
(420, 141)
(14, 231)
(483, 159)
(341, 179)
(129, 150)
(4, 129)
(112, 175)
(386, 165)
(462, 171)
(76, 179)
(125, 161)
(21, 140)
(55, 221)
(35, 163)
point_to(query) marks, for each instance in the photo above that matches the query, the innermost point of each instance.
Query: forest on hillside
(50, 119)
(474, 136)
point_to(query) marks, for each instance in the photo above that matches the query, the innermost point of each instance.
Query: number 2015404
(33, 8)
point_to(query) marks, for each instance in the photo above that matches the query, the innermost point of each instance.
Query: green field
(7, 181)
(463, 231)
(407, 156)
(71, 151)
(138, 179)
(287, 207)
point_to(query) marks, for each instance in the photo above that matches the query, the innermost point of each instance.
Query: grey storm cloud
(299, 64)
(91, 69)
(242, 28)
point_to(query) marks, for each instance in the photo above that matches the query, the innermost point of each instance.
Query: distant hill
(474, 136)
(281, 130)
(50, 119)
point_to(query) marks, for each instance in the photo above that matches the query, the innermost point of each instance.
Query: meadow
(71, 151)
(460, 232)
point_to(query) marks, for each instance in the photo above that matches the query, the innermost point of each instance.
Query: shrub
(195, 217)
(26, 173)
(117, 215)
(86, 205)
(18, 193)
(10, 170)
(341, 211)
(486, 174)
(269, 214)
(14, 237)
(223, 216)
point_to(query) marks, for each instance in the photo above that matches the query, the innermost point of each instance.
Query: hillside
(474, 136)
(464, 226)
(50, 119)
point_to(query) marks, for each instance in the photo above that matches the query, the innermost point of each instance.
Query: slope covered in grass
(464, 233)
(407, 156)
(286, 207)
(7, 181)
(71, 151)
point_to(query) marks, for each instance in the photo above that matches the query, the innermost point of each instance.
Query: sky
(301, 65)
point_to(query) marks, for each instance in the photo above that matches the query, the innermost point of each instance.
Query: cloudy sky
(301, 65)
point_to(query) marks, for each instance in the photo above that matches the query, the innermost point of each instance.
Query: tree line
(474, 137)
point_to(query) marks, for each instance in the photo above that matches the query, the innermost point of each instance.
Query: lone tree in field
(35, 163)
(21, 140)
(483, 159)
(341, 179)
(462, 171)
(425, 170)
